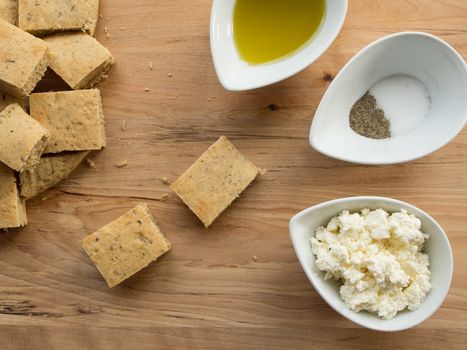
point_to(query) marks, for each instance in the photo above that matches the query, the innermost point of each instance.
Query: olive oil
(266, 30)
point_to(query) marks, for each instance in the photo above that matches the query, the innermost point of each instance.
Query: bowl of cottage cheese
(382, 263)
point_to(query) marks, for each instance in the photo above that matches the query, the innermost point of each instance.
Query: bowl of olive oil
(256, 43)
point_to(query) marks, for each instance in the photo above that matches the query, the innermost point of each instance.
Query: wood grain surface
(209, 292)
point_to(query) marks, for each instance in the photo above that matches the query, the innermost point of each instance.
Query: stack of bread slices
(45, 136)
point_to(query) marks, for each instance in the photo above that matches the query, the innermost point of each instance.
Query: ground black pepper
(368, 120)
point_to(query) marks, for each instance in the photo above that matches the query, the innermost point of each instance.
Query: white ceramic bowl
(420, 55)
(302, 228)
(237, 75)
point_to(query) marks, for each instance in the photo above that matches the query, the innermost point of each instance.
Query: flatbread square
(49, 172)
(9, 11)
(215, 180)
(126, 245)
(22, 139)
(74, 119)
(12, 208)
(41, 17)
(23, 60)
(79, 59)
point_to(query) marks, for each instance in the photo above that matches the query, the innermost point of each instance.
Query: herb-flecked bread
(126, 245)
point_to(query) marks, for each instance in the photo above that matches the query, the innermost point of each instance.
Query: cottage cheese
(378, 257)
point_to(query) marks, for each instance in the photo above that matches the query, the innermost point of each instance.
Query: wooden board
(209, 292)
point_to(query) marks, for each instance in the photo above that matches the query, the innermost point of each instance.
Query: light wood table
(209, 292)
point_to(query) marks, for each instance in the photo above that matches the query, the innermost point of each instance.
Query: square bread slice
(22, 139)
(126, 245)
(9, 11)
(49, 172)
(79, 59)
(23, 60)
(12, 208)
(41, 17)
(74, 119)
(215, 180)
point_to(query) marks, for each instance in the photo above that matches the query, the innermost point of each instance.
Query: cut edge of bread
(36, 153)
(37, 74)
(95, 76)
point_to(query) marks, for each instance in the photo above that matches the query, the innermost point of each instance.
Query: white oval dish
(420, 55)
(437, 247)
(237, 75)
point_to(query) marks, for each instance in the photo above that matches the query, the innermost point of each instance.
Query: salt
(405, 101)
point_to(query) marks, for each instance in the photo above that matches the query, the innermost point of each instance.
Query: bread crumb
(122, 164)
(170, 75)
(106, 30)
(255, 258)
(130, 143)
(44, 198)
(100, 16)
(91, 164)
(151, 67)
(263, 171)
(165, 196)
(107, 18)
(107, 35)
(122, 28)
(165, 180)
(104, 76)
(123, 126)
(147, 89)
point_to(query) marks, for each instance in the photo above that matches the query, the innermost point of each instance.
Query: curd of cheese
(378, 257)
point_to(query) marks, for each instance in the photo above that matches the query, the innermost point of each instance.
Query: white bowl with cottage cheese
(371, 288)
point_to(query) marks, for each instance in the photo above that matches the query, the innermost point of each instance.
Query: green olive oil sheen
(266, 30)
